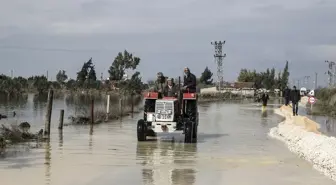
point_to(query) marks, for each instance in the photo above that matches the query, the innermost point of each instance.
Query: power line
(315, 83)
(219, 61)
(52, 49)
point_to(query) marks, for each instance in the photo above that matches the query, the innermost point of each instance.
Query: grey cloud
(168, 35)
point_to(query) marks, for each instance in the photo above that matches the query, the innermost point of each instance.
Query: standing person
(264, 99)
(286, 95)
(189, 81)
(295, 97)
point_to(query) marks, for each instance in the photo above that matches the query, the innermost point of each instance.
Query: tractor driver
(189, 85)
(170, 89)
(189, 81)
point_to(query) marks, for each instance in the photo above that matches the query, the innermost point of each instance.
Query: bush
(325, 94)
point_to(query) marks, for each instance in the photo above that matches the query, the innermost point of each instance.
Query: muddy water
(327, 124)
(233, 148)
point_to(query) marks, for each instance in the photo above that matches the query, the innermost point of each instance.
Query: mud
(233, 148)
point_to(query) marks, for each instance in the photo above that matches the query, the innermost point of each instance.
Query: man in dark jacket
(295, 97)
(170, 89)
(264, 99)
(189, 84)
(189, 81)
(286, 95)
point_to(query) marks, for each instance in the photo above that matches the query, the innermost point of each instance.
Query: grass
(326, 104)
(100, 115)
(13, 135)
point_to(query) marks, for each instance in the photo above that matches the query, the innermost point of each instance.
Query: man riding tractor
(170, 90)
(160, 84)
(176, 109)
(189, 85)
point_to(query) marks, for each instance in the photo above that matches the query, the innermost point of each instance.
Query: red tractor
(169, 114)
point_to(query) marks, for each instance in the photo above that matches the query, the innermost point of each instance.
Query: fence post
(108, 107)
(48, 114)
(132, 104)
(92, 111)
(120, 106)
(61, 119)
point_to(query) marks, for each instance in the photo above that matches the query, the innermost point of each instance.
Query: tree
(278, 81)
(40, 83)
(272, 78)
(61, 77)
(247, 75)
(92, 77)
(132, 85)
(206, 76)
(71, 84)
(265, 79)
(285, 76)
(87, 73)
(121, 63)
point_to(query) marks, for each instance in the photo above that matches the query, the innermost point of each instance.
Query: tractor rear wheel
(189, 132)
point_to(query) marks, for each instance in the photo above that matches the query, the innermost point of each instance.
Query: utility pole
(331, 73)
(306, 81)
(219, 61)
(47, 76)
(12, 73)
(315, 82)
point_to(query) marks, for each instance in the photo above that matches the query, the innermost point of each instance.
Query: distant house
(242, 88)
(238, 85)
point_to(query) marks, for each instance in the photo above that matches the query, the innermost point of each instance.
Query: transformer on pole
(331, 73)
(218, 56)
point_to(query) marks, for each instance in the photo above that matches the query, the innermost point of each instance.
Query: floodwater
(233, 148)
(327, 123)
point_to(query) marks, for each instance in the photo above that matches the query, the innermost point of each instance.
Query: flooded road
(233, 148)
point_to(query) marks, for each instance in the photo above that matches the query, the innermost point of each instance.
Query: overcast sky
(48, 35)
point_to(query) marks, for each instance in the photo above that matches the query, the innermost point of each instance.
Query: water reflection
(165, 162)
(327, 124)
(39, 103)
(264, 119)
(47, 162)
(60, 138)
(264, 113)
(91, 141)
(330, 125)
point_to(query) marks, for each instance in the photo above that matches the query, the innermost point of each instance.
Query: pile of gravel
(320, 150)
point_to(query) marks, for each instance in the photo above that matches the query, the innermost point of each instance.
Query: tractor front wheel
(141, 130)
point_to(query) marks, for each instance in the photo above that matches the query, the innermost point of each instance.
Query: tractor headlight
(150, 117)
(159, 111)
(170, 111)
